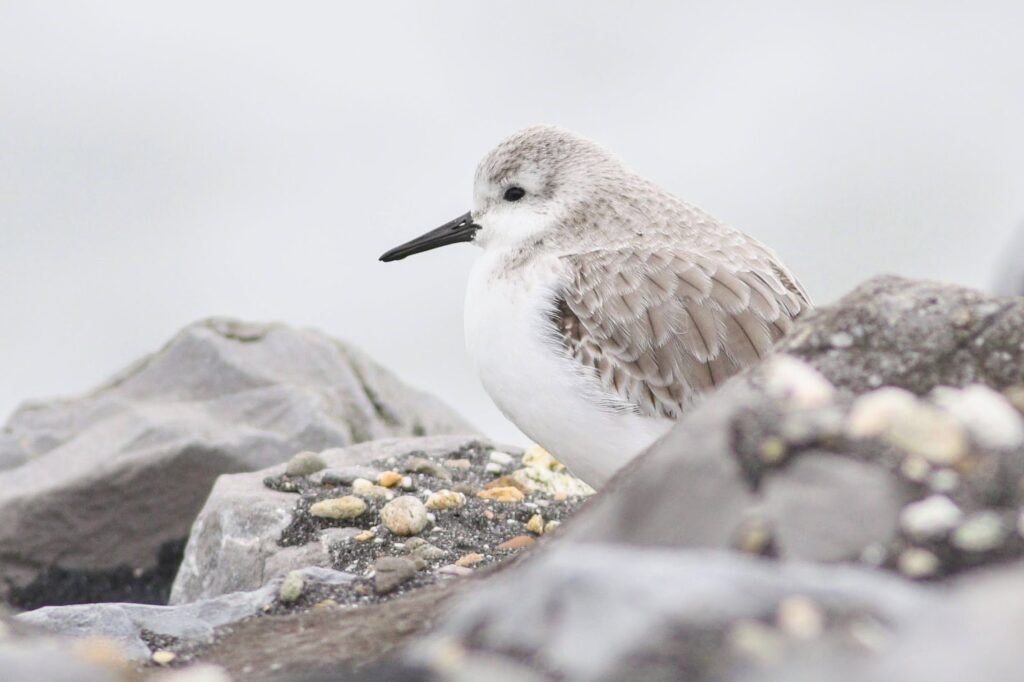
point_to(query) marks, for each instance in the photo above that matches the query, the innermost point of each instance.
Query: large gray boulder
(917, 335)
(98, 486)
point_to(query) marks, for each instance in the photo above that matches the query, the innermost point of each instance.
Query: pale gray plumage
(664, 302)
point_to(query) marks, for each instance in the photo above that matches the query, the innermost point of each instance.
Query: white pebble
(980, 532)
(930, 518)
(989, 417)
(501, 458)
(918, 563)
(796, 383)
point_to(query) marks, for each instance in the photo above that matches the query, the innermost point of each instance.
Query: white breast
(538, 387)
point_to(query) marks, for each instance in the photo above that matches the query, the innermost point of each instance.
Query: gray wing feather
(658, 328)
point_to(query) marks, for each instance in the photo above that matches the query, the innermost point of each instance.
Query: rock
(980, 532)
(502, 459)
(392, 572)
(502, 494)
(578, 614)
(342, 508)
(369, 490)
(915, 562)
(163, 657)
(988, 416)
(930, 518)
(234, 542)
(843, 468)
(291, 587)
(348, 475)
(536, 524)
(423, 465)
(469, 560)
(304, 464)
(516, 543)
(221, 396)
(405, 515)
(195, 622)
(445, 499)
(916, 335)
(389, 479)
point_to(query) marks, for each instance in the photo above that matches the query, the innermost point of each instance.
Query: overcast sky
(159, 164)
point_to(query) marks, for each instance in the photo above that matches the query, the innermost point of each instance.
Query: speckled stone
(405, 515)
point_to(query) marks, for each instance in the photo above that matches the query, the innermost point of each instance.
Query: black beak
(462, 229)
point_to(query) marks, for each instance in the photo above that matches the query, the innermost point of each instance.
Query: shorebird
(603, 306)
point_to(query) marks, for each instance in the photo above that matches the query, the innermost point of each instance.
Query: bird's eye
(514, 193)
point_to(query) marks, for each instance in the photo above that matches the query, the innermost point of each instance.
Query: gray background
(164, 162)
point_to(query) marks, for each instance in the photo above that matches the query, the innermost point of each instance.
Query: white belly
(533, 383)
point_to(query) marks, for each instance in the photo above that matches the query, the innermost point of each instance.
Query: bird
(603, 307)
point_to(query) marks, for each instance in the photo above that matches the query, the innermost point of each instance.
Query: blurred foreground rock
(100, 490)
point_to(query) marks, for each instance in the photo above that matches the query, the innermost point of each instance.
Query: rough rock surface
(138, 628)
(603, 612)
(249, 530)
(98, 485)
(913, 334)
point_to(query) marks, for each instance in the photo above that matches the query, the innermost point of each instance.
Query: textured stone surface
(234, 546)
(108, 478)
(600, 612)
(195, 622)
(913, 334)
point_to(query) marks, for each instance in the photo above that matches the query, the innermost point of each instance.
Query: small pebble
(915, 562)
(944, 481)
(347, 475)
(800, 618)
(304, 464)
(291, 587)
(536, 524)
(347, 507)
(932, 517)
(841, 340)
(468, 560)
(422, 465)
(163, 657)
(461, 464)
(796, 384)
(980, 532)
(537, 457)
(405, 515)
(365, 536)
(551, 526)
(445, 499)
(389, 479)
(325, 603)
(493, 468)
(452, 569)
(990, 418)
(772, 450)
(502, 459)
(427, 551)
(758, 642)
(502, 494)
(915, 468)
(390, 572)
(518, 542)
(365, 488)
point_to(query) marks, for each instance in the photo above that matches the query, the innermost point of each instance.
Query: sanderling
(602, 305)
